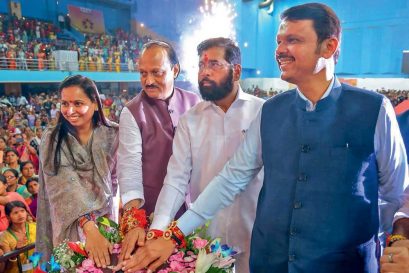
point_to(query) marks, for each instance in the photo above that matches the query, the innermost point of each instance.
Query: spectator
(12, 183)
(32, 187)
(27, 171)
(6, 197)
(12, 160)
(20, 233)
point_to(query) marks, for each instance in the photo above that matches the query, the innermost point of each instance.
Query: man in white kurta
(206, 137)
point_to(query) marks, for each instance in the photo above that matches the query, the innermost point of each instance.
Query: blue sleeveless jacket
(318, 208)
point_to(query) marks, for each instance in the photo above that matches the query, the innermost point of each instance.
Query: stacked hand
(396, 258)
(133, 239)
(151, 256)
(97, 246)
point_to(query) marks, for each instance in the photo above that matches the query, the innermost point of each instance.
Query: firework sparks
(216, 20)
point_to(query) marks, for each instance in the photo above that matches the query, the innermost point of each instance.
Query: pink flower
(116, 249)
(163, 271)
(176, 266)
(188, 259)
(87, 263)
(200, 243)
(178, 257)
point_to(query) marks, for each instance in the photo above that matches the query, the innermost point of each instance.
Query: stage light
(246, 44)
(216, 19)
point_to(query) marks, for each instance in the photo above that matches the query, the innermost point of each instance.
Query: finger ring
(390, 257)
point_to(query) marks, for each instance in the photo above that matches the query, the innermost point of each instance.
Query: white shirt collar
(310, 105)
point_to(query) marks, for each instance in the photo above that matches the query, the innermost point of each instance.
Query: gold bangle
(394, 238)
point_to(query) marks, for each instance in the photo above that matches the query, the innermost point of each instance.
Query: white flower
(204, 261)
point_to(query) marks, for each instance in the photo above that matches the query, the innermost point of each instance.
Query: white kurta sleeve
(129, 167)
(177, 178)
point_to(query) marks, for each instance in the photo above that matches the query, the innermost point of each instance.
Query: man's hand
(395, 259)
(401, 243)
(97, 246)
(135, 237)
(155, 253)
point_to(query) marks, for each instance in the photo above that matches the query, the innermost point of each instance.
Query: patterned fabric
(74, 191)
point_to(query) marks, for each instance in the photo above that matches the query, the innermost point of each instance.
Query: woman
(19, 234)
(6, 197)
(32, 187)
(3, 147)
(12, 183)
(77, 172)
(12, 160)
(27, 171)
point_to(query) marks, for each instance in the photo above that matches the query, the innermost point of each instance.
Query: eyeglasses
(213, 65)
(9, 176)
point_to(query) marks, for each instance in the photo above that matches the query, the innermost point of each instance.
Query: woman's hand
(96, 245)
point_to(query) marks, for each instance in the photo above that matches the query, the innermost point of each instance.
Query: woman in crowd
(19, 234)
(3, 147)
(3, 144)
(27, 171)
(76, 176)
(12, 160)
(6, 197)
(12, 183)
(32, 187)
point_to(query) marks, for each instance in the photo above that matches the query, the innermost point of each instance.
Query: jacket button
(305, 148)
(302, 177)
(293, 231)
(291, 258)
(297, 205)
(72, 179)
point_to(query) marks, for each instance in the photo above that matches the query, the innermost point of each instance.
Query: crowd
(29, 44)
(395, 96)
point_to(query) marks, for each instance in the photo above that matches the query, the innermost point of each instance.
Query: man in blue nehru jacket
(334, 162)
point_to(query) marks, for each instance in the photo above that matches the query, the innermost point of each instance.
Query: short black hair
(14, 204)
(232, 52)
(23, 164)
(14, 171)
(31, 179)
(173, 58)
(325, 21)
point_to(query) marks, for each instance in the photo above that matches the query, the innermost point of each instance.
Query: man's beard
(216, 91)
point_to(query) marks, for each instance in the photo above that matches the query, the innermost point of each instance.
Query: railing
(52, 65)
(16, 254)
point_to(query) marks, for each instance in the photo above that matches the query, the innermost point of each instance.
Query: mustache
(151, 86)
(206, 80)
(283, 55)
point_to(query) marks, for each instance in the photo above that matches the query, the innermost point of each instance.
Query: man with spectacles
(146, 130)
(335, 163)
(207, 136)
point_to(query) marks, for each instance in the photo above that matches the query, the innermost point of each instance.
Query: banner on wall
(15, 8)
(86, 20)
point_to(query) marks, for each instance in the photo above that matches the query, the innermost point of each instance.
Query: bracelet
(175, 234)
(133, 218)
(85, 218)
(153, 234)
(394, 238)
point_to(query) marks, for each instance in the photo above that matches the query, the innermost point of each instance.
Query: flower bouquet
(72, 257)
(201, 255)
